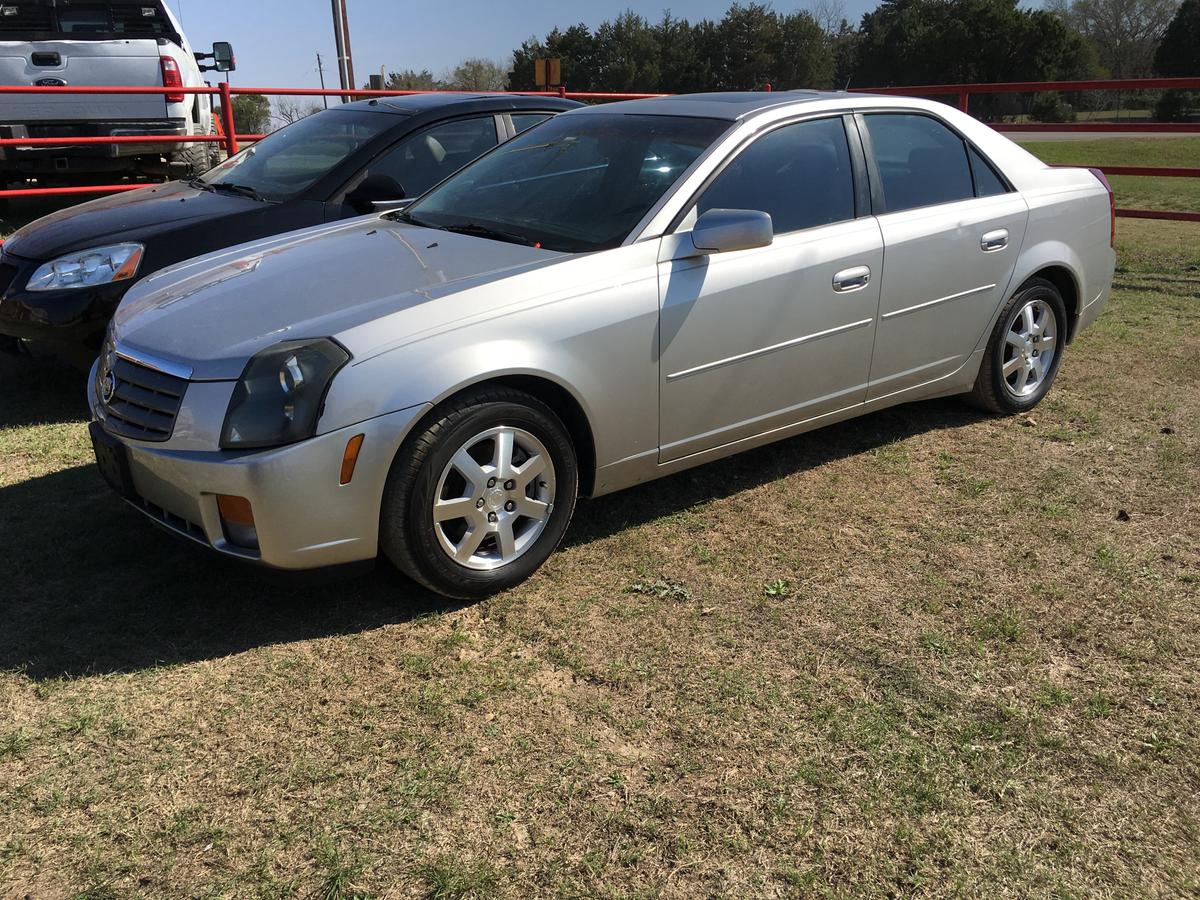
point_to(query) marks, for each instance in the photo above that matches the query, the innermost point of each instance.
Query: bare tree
(287, 112)
(829, 14)
(1124, 32)
(477, 74)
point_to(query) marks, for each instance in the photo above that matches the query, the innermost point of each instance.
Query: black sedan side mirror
(376, 193)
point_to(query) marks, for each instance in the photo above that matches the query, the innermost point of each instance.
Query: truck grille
(139, 402)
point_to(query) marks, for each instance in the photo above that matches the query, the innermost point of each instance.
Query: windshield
(575, 183)
(290, 161)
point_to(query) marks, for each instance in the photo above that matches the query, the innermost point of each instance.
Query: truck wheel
(198, 157)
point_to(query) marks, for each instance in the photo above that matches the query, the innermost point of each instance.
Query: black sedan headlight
(279, 397)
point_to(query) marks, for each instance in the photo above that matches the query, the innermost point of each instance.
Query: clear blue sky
(277, 40)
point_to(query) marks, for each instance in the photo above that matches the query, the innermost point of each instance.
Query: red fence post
(964, 100)
(767, 87)
(231, 144)
(562, 91)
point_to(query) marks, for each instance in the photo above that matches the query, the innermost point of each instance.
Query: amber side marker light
(238, 520)
(350, 457)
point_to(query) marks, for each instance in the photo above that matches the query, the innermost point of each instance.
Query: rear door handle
(994, 240)
(849, 280)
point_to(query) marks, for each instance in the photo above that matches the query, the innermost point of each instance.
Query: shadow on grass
(90, 587)
(40, 390)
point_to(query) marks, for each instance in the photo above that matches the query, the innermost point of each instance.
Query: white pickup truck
(82, 43)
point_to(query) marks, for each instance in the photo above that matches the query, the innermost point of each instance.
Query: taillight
(1112, 207)
(172, 78)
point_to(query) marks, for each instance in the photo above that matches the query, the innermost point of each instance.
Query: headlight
(88, 268)
(279, 397)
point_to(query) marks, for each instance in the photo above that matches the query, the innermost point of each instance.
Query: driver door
(754, 340)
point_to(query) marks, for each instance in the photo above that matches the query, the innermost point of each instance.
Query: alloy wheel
(1029, 347)
(494, 498)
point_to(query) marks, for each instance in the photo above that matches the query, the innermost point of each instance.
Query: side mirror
(376, 193)
(723, 230)
(222, 57)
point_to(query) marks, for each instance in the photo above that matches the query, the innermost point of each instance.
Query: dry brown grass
(924, 653)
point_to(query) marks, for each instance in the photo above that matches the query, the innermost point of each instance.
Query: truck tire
(198, 157)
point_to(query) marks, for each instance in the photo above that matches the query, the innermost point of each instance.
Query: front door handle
(849, 280)
(994, 240)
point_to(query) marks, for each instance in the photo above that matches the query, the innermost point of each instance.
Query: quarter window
(921, 162)
(800, 174)
(987, 182)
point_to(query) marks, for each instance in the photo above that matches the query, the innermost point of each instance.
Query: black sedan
(62, 276)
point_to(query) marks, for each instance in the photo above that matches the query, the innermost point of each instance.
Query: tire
(198, 157)
(1014, 375)
(466, 435)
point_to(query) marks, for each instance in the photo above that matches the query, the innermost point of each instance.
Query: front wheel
(1024, 351)
(479, 499)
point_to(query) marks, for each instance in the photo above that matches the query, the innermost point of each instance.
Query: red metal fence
(231, 140)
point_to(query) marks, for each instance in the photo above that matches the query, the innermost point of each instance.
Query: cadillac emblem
(105, 380)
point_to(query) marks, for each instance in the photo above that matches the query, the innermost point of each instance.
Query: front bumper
(304, 517)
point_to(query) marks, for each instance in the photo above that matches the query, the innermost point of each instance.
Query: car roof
(730, 105)
(454, 102)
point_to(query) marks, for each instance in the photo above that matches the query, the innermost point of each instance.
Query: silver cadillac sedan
(620, 293)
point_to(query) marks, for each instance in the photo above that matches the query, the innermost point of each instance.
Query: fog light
(237, 518)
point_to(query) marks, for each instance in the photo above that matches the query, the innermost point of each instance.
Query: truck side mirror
(222, 57)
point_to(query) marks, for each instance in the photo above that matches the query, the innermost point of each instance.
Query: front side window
(577, 183)
(800, 174)
(285, 164)
(921, 162)
(421, 160)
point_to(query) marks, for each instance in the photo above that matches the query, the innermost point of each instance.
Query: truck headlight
(279, 397)
(88, 268)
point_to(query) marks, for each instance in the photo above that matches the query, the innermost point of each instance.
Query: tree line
(901, 42)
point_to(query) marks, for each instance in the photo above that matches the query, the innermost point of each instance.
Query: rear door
(952, 230)
(82, 45)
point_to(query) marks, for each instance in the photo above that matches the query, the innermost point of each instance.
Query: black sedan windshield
(290, 161)
(575, 183)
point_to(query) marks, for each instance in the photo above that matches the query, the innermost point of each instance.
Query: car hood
(213, 313)
(131, 215)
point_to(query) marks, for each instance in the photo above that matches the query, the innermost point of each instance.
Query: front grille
(140, 402)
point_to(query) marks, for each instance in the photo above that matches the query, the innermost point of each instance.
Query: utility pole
(321, 70)
(341, 34)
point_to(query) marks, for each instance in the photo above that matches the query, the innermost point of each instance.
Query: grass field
(928, 652)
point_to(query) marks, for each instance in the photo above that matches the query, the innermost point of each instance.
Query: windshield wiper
(200, 184)
(244, 189)
(483, 231)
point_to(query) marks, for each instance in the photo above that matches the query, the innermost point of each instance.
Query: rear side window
(921, 162)
(800, 174)
(522, 121)
(987, 182)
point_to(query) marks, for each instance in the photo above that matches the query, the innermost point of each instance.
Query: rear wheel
(199, 156)
(1024, 352)
(480, 498)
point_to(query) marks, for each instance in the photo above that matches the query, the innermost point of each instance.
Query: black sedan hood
(133, 215)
